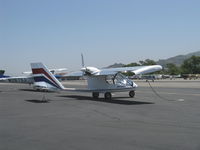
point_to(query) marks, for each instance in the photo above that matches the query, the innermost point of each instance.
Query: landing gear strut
(108, 96)
(95, 95)
(132, 93)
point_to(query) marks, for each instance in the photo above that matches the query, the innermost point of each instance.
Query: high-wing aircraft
(104, 81)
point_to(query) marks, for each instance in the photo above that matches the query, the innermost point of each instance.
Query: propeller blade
(82, 58)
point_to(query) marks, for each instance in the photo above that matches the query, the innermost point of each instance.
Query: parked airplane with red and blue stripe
(105, 81)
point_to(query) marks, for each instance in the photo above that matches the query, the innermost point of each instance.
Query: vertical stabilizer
(42, 74)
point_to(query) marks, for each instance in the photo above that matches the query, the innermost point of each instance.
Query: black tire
(132, 93)
(108, 96)
(95, 95)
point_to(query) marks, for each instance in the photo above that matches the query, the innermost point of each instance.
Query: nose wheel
(132, 93)
(108, 95)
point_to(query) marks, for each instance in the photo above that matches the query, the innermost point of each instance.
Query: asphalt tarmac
(169, 120)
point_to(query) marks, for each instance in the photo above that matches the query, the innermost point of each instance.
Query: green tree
(2, 72)
(191, 65)
(147, 62)
(172, 69)
(132, 65)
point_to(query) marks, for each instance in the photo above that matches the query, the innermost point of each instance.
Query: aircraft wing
(58, 70)
(136, 70)
(20, 79)
(74, 74)
(112, 71)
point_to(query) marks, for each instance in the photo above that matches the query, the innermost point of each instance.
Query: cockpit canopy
(119, 80)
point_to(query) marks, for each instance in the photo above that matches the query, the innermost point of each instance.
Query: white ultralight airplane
(104, 81)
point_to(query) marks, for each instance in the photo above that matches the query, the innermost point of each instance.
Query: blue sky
(56, 32)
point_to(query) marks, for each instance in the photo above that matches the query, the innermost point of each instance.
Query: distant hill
(116, 65)
(178, 60)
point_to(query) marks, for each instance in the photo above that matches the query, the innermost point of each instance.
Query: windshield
(119, 79)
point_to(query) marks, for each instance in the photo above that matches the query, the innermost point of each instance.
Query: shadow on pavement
(113, 100)
(38, 101)
(32, 90)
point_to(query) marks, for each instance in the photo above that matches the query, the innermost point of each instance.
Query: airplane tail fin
(42, 75)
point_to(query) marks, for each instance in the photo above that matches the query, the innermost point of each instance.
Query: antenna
(82, 58)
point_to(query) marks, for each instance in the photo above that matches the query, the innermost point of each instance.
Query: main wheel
(108, 95)
(95, 95)
(132, 93)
